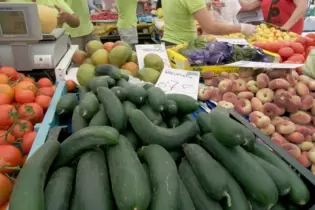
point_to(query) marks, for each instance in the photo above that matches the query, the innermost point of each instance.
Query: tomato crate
(42, 131)
(305, 174)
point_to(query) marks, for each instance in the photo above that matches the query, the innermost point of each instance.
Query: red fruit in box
(297, 47)
(285, 52)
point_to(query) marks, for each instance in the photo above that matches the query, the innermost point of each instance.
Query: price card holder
(251, 64)
(158, 49)
(237, 41)
(179, 81)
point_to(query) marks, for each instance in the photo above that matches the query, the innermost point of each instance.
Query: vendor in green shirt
(84, 33)
(127, 21)
(179, 22)
(66, 15)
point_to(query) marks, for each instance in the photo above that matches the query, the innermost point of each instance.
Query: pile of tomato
(23, 103)
(291, 52)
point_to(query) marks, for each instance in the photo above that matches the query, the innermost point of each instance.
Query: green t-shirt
(51, 3)
(179, 22)
(127, 11)
(81, 9)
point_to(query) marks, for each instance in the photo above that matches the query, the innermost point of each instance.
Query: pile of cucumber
(136, 148)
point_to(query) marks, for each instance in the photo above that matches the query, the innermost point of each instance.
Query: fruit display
(99, 59)
(105, 15)
(278, 102)
(23, 103)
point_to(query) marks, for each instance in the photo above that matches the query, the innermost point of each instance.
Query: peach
(304, 79)
(270, 109)
(229, 97)
(292, 149)
(276, 141)
(282, 98)
(216, 80)
(311, 128)
(239, 85)
(207, 82)
(285, 127)
(265, 95)
(245, 72)
(311, 85)
(292, 90)
(308, 138)
(291, 79)
(294, 104)
(306, 146)
(226, 104)
(270, 129)
(312, 94)
(278, 84)
(234, 76)
(313, 168)
(252, 86)
(259, 119)
(311, 155)
(276, 120)
(214, 94)
(225, 86)
(262, 80)
(285, 118)
(313, 137)
(294, 73)
(243, 107)
(302, 129)
(256, 104)
(295, 137)
(303, 159)
(302, 89)
(245, 95)
(279, 137)
(313, 108)
(307, 102)
(207, 75)
(224, 74)
(203, 94)
(280, 110)
(300, 117)
(313, 120)
(277, 73)
(247, 79)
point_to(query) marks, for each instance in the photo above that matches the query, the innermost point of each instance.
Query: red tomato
(5, 206)
(9, 71)
(309, 49)
(259, 44)
(27, 142)
(297, 47)
(19, 76)
(21, 128)
(32, 112)
(6, 188)
(10, 156)
(286, 44)
(301, 40)
(24, 159)
(309, 42)
(4, 99)
(288, 62)
(28, 79)
(24, 96)
(275, 46)
(311, 35)
(285, 52)
(43, 101)
(44, 82)
(47, 91)
(296, 58)
(267, 46)
(6, 138)
(8, 115)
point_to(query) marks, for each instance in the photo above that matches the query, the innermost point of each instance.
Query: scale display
(13, 23)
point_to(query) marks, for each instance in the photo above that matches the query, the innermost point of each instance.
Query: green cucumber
(59, 188)
(66, 104)
(100, 118)
(177, 155)
(185, 201)
(154, 116)
(132, 137)
(173, 122)
(238, 198)
(82, 92)
(89, 106)
(163, 125)
(221, 110)
(28, 190)
(164, 178)
(235, 134)
(110, 81)
(129, 181)
(114, 108)
(244, 169)
(299, 194)
(82, 140)
(171, 107)
(169, 138)
(199, 197)
(129, 107)
(147, 86)
(256, 206)
(208, 171)
(278, 206)
(280, 179)
(92, 187)
(96, 82)
(136, 94)
(203, 120)
(120, 92)
(123, 83)
(157, 98)
(185, 104)
(109, 70)
(77, 121)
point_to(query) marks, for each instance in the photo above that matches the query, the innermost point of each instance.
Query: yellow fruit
(47, 18)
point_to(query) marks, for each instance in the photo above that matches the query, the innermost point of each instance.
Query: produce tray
(42, 132)
(304, 173)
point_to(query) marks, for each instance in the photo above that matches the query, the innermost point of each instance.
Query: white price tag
(179, 81)
(43, 61)
(237, 41)
(159, 49)
(251, 64)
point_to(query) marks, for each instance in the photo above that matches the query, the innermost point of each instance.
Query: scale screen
(16, 24)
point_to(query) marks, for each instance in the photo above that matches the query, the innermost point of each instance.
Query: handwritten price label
(250, 64)
(233, 41)
(179, 81)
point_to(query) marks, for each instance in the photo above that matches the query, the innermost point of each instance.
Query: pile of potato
(279, 102)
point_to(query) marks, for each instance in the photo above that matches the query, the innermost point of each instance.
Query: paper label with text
(237, 41)
(159, 49)
(251, 64)
(179, 81)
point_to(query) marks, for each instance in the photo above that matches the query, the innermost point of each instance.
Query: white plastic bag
(227, 13)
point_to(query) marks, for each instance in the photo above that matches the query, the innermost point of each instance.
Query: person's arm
(299, 12)
(249, 6)
(66, 14)
(91, 5)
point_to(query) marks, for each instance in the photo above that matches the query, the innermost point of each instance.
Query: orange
(6, 89)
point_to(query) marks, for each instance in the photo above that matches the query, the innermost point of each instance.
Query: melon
(48, 18)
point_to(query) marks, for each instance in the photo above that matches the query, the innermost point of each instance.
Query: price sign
(158, 49)
(251, 64)
(179, 81)
(237, 41)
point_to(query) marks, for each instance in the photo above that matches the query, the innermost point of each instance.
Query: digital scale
(22, 44)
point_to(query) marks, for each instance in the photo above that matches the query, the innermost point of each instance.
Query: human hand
(62, 15)
(98, 10)
(248, 29)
